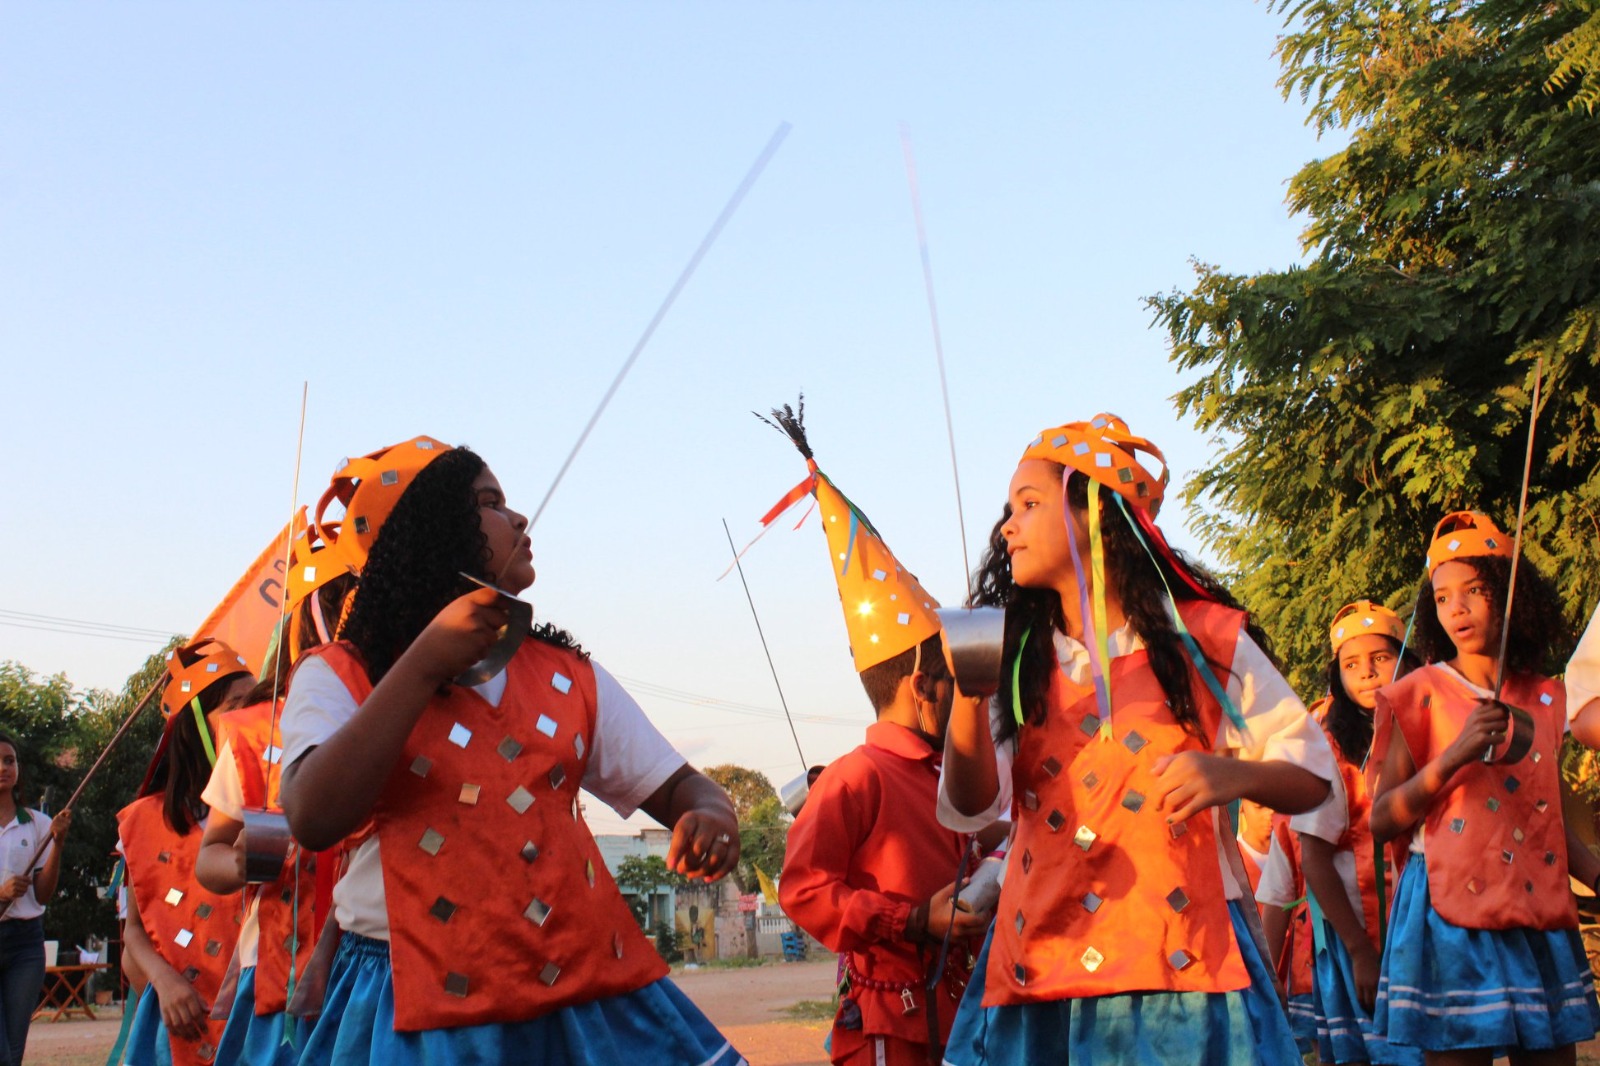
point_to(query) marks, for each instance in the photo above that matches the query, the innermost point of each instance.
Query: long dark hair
(414, 569)
(1137, 584)
(181, 772)
(1540, 638)
(1347, 722)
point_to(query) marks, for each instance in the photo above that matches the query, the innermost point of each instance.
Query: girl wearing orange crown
(1136, 700)
(1483, 956)
(181, 935)
(279, 931)
(1347, 879)
(479, 922)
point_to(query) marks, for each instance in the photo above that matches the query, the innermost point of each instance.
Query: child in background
(1135, 701)
(179, 934)
(1346, 874)
(479, 923)
(1285, 920)
(279, 932)
(1483, 956)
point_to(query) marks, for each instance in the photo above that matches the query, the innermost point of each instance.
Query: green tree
(1453, 242)
(62, 732)
(763, 823)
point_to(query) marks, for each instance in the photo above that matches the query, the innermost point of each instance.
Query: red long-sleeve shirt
(865, 850)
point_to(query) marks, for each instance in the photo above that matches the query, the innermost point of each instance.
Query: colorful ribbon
(1195, 656)
(205, 733)
(1093, 640)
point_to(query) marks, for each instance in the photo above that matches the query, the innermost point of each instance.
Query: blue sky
(457, 220)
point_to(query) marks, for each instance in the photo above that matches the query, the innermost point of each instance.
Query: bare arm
(1404, 793)
(220, 866)
(700, 816)
(331, 789)
(1275, 927)
(1586, 724)
(1323, 881)
(46, 879)
(1193, 781)
(1578, 817)
(181, 1006)
(971, 779)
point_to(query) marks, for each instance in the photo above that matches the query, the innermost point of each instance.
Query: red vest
(1102, 896)
(192, 929)
(1495, 839)
(1299, 954)
(500, 906)
(286, 929)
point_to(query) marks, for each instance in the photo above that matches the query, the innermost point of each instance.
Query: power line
(29, 616)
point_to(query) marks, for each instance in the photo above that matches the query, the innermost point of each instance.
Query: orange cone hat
(886, 610)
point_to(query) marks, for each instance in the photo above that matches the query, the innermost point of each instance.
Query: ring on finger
(724, 838)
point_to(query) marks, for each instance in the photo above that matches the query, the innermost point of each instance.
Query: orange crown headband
(1465, 535)
(369, 487)
(1103, 449)
(194, 668)
(1362, 617)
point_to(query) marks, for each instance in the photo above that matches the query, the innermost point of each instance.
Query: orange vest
(286, 930)
(192, 929)
(1102, 895)
(500, 906)
(1495, 839)
(1357, 838)
(1299, 956)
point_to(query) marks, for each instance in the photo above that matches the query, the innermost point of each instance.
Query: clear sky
(456, 219)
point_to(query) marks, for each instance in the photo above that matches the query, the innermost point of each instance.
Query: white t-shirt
(1583, 669)
(1278, 729)
(1328, 821)
(18, 839)
(628, 760)
(224, 794)
(1277, 885)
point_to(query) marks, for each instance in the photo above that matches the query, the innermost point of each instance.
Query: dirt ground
(748, 1004)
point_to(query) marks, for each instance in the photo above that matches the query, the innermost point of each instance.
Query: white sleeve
(224, 793)
(1277, 878)
(1278, 727)
(951, 818)
(1329, 819)
(1583, 670)
(316, 707)
(628, 756)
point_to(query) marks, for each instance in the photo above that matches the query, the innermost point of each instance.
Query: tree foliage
(62, 732)
(763, 823)
(1452, 243)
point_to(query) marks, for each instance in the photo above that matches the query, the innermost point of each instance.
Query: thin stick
(672, 295)
(1516, 542)
(72, 800)
(938, 345)
(804, 766)
(288, 550)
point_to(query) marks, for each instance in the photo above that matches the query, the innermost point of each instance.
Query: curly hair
(183, 769)
(1138, 586)
(1540, 638)
(1347, 722)
(414, 569)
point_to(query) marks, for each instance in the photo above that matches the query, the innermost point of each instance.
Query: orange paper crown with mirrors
(886, 610)
(195, 667)
(1103, 449)
(1362, 617)
(368, 488)
(1464, 535)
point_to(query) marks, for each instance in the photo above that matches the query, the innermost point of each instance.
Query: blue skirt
(1243, 1028)
(258, 1040)
(1303, 1022)
(148, 1044)
(656, 1024)
(1445, 988)
(1345, 1031)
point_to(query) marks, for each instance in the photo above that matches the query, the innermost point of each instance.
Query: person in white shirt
(26, 885)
